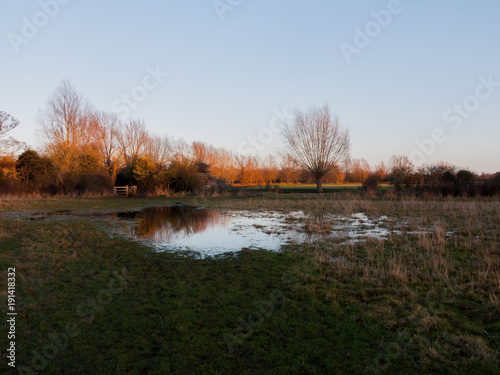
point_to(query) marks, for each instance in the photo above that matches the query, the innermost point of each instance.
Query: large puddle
(213, 232)
(209, 232)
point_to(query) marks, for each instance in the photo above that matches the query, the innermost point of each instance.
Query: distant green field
(309, 188)
(313, 186)
(305, 186)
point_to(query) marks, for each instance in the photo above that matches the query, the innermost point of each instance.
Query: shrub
(36, 173)
(183, 177)
(370, 184)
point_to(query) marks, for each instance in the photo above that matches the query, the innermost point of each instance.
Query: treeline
(439, 179)
(84, 150)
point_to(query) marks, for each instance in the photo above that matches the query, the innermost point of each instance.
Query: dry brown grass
(443, 268)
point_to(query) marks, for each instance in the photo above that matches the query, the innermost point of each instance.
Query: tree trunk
(319, 188)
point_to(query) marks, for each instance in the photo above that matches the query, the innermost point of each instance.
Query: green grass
(311, 188)
(172, 313)
(307, 187)
(99, 204)
(259, 312)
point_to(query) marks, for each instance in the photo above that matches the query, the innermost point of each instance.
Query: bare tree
(435, 173)
(200, 152)
(67, 120)
(247, 169)
(381, 171)
(7, 123)
(290, 171)
(107, 129)
(359, 170)
(182, 152)
(270, 169)
(132, 140)
(402, 172)
(222, 166)
(158, 150)
(67, 127)
(9, 145)
(107, 126)
(317, 142)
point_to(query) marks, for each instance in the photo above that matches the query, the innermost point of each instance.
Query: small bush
(371, 183)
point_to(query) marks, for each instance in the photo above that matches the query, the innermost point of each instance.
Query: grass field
(422, 301)
(311, 188)
(308, 187)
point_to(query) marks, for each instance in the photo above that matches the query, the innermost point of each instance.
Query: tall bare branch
(317, 142)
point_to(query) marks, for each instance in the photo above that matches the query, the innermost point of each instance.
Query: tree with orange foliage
(270, 170)
(246, 169)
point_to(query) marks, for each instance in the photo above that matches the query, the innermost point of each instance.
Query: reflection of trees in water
(163, 223)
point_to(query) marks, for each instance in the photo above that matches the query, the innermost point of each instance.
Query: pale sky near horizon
(429, 68)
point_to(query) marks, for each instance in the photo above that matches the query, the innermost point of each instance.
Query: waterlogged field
(272, 284)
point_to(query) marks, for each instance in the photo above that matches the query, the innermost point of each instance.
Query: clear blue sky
(227, 77)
